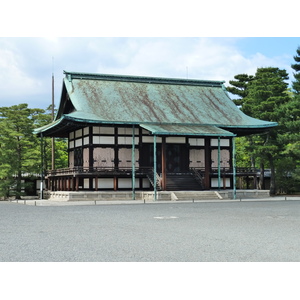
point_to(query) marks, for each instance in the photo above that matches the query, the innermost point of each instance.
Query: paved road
(199, 232)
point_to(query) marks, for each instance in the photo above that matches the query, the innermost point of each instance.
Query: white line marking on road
(166, 217)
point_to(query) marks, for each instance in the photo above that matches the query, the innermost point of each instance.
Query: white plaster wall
(196, 142)
(223, 142)
(127, 140)
(103, 140)
(214, 182)
(104, 183)
(86, 183)
(150, 139)
(175, 140)
(146, 183)
(126, 183)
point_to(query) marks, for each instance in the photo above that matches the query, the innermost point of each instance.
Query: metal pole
(133, 163)
(53, 141)
(234, 168)
(154, 167)
(42, 167)
(219, 166)
(163, 164)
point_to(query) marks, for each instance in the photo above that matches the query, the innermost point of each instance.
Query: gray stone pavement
(250, 230)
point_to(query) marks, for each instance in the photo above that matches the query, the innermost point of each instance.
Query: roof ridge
(144, 79)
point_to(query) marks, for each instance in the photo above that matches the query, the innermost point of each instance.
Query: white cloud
(26, 64)
(13, 77)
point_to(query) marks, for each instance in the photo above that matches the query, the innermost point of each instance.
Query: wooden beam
(96, 183)
(115, 183)
(77, 184)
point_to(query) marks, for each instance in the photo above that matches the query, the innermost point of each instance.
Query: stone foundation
(161, 195)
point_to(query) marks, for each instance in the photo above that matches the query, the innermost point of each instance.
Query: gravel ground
(247, 231)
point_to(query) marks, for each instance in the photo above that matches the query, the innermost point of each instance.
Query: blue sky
(26, 64)
(268, 46)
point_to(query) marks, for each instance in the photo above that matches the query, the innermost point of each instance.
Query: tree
(293, 108)
(19, 148)
(296, 67)
(265, 97)
(61, 146)
(239, 87)
(291, 138)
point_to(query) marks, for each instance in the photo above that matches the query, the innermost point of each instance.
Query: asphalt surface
(249, 231)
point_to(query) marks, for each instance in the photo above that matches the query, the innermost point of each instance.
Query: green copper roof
(184, 130)
(113, 99)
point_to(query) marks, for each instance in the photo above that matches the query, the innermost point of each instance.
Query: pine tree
(239, 87)
(266, 100)
(61, 145)
(291, 138)
(19, 148)
(296, 67)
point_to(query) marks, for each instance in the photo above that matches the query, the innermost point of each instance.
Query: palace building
(147, 133)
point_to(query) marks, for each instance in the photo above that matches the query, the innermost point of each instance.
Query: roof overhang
(68, 123)
(59, 128)
(186, 130)
(249, 130)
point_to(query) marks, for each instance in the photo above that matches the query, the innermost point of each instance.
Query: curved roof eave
(83, 117)
(67, 123)
(58, 128)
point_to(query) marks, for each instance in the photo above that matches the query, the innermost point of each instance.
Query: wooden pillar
(154, 167)
(224, 179)
(163, 164)
(115, 183)
(96, 183)
(241, 182)
(219, 163)
(133, 162)
(77, 184)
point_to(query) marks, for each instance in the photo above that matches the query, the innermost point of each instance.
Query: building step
(201, 195)
(182, 181)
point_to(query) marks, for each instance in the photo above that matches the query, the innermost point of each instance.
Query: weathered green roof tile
(114, 99)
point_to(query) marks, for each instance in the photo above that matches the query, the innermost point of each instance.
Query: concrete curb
(39, 202)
